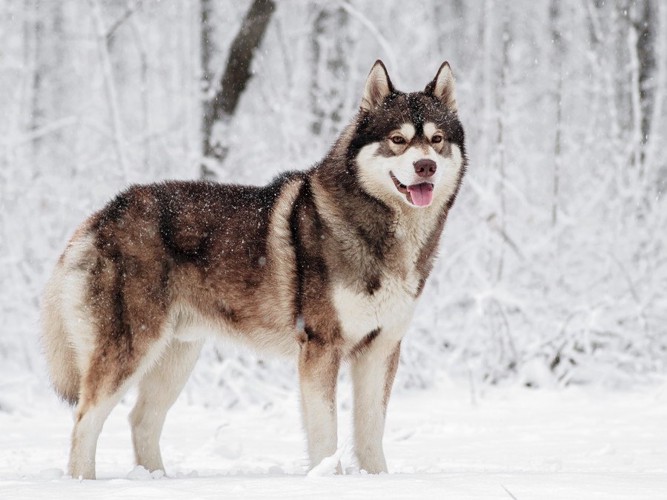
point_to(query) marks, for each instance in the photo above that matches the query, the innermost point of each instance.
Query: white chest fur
(390, 308)
(392, 305)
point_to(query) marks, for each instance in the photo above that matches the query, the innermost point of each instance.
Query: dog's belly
(389, 309)
(277, 338)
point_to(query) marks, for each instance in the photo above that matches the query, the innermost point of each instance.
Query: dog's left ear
(378, 86)
(442, 87)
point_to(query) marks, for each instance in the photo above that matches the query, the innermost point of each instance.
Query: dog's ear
(378, 86)
(442, 87)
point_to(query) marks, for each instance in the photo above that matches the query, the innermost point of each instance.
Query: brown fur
(259, 264)
(392, 368)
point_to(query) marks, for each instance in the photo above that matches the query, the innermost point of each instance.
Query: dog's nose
(425, 167)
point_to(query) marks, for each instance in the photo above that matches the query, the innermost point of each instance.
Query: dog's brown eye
(437, 138)
(398, 139)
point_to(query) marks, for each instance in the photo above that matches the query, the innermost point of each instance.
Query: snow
(510, 442)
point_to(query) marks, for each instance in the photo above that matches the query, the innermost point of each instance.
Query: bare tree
(220, 102)
(104, 38)
(45, 46)
(644, 23)
(330, 46)
(557, 56)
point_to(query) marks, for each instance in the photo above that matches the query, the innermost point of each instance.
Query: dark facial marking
(416, 108)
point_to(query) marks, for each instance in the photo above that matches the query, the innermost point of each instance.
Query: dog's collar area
(423, 191)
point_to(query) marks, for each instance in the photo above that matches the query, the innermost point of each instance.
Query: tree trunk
(557, 57)
(219, 108)
(654, 158)
(500, 139)
(330, 46)
(116, 119)
(47, 57)
(645, 23)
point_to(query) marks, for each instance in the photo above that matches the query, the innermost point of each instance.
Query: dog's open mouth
(420, 194)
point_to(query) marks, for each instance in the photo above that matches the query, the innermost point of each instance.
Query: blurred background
(553, 267)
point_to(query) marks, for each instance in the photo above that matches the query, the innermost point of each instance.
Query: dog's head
(409, 147)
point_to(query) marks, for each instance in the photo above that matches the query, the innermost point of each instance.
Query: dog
(323, 265)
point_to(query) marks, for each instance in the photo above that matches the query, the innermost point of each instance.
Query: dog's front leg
(373, 372)
(318, 373)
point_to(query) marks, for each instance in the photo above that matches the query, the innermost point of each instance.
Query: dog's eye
(397, 139)
(437, 138)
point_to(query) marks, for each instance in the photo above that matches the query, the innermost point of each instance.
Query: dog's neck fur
(369, 218)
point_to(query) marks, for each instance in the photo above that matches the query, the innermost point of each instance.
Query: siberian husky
(324, 265)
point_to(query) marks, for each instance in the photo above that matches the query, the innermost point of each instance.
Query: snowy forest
(553, 265)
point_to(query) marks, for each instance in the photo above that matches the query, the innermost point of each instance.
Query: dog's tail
(60, 354)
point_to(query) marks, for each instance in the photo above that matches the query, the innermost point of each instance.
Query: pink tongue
(421, 194)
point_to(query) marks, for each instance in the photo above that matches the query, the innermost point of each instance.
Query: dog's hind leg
(373, 372)
(91, 413)
(107, 379)
(158, 390)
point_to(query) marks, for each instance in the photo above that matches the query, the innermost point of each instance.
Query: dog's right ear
(378, 86)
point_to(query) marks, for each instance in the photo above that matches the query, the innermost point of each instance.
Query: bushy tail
(60, 355)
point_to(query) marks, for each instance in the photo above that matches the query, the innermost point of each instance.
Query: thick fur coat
(323, 265)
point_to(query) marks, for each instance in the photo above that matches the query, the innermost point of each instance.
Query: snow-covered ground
(509, 443)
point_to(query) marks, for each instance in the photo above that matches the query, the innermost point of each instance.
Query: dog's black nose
(425, 168)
